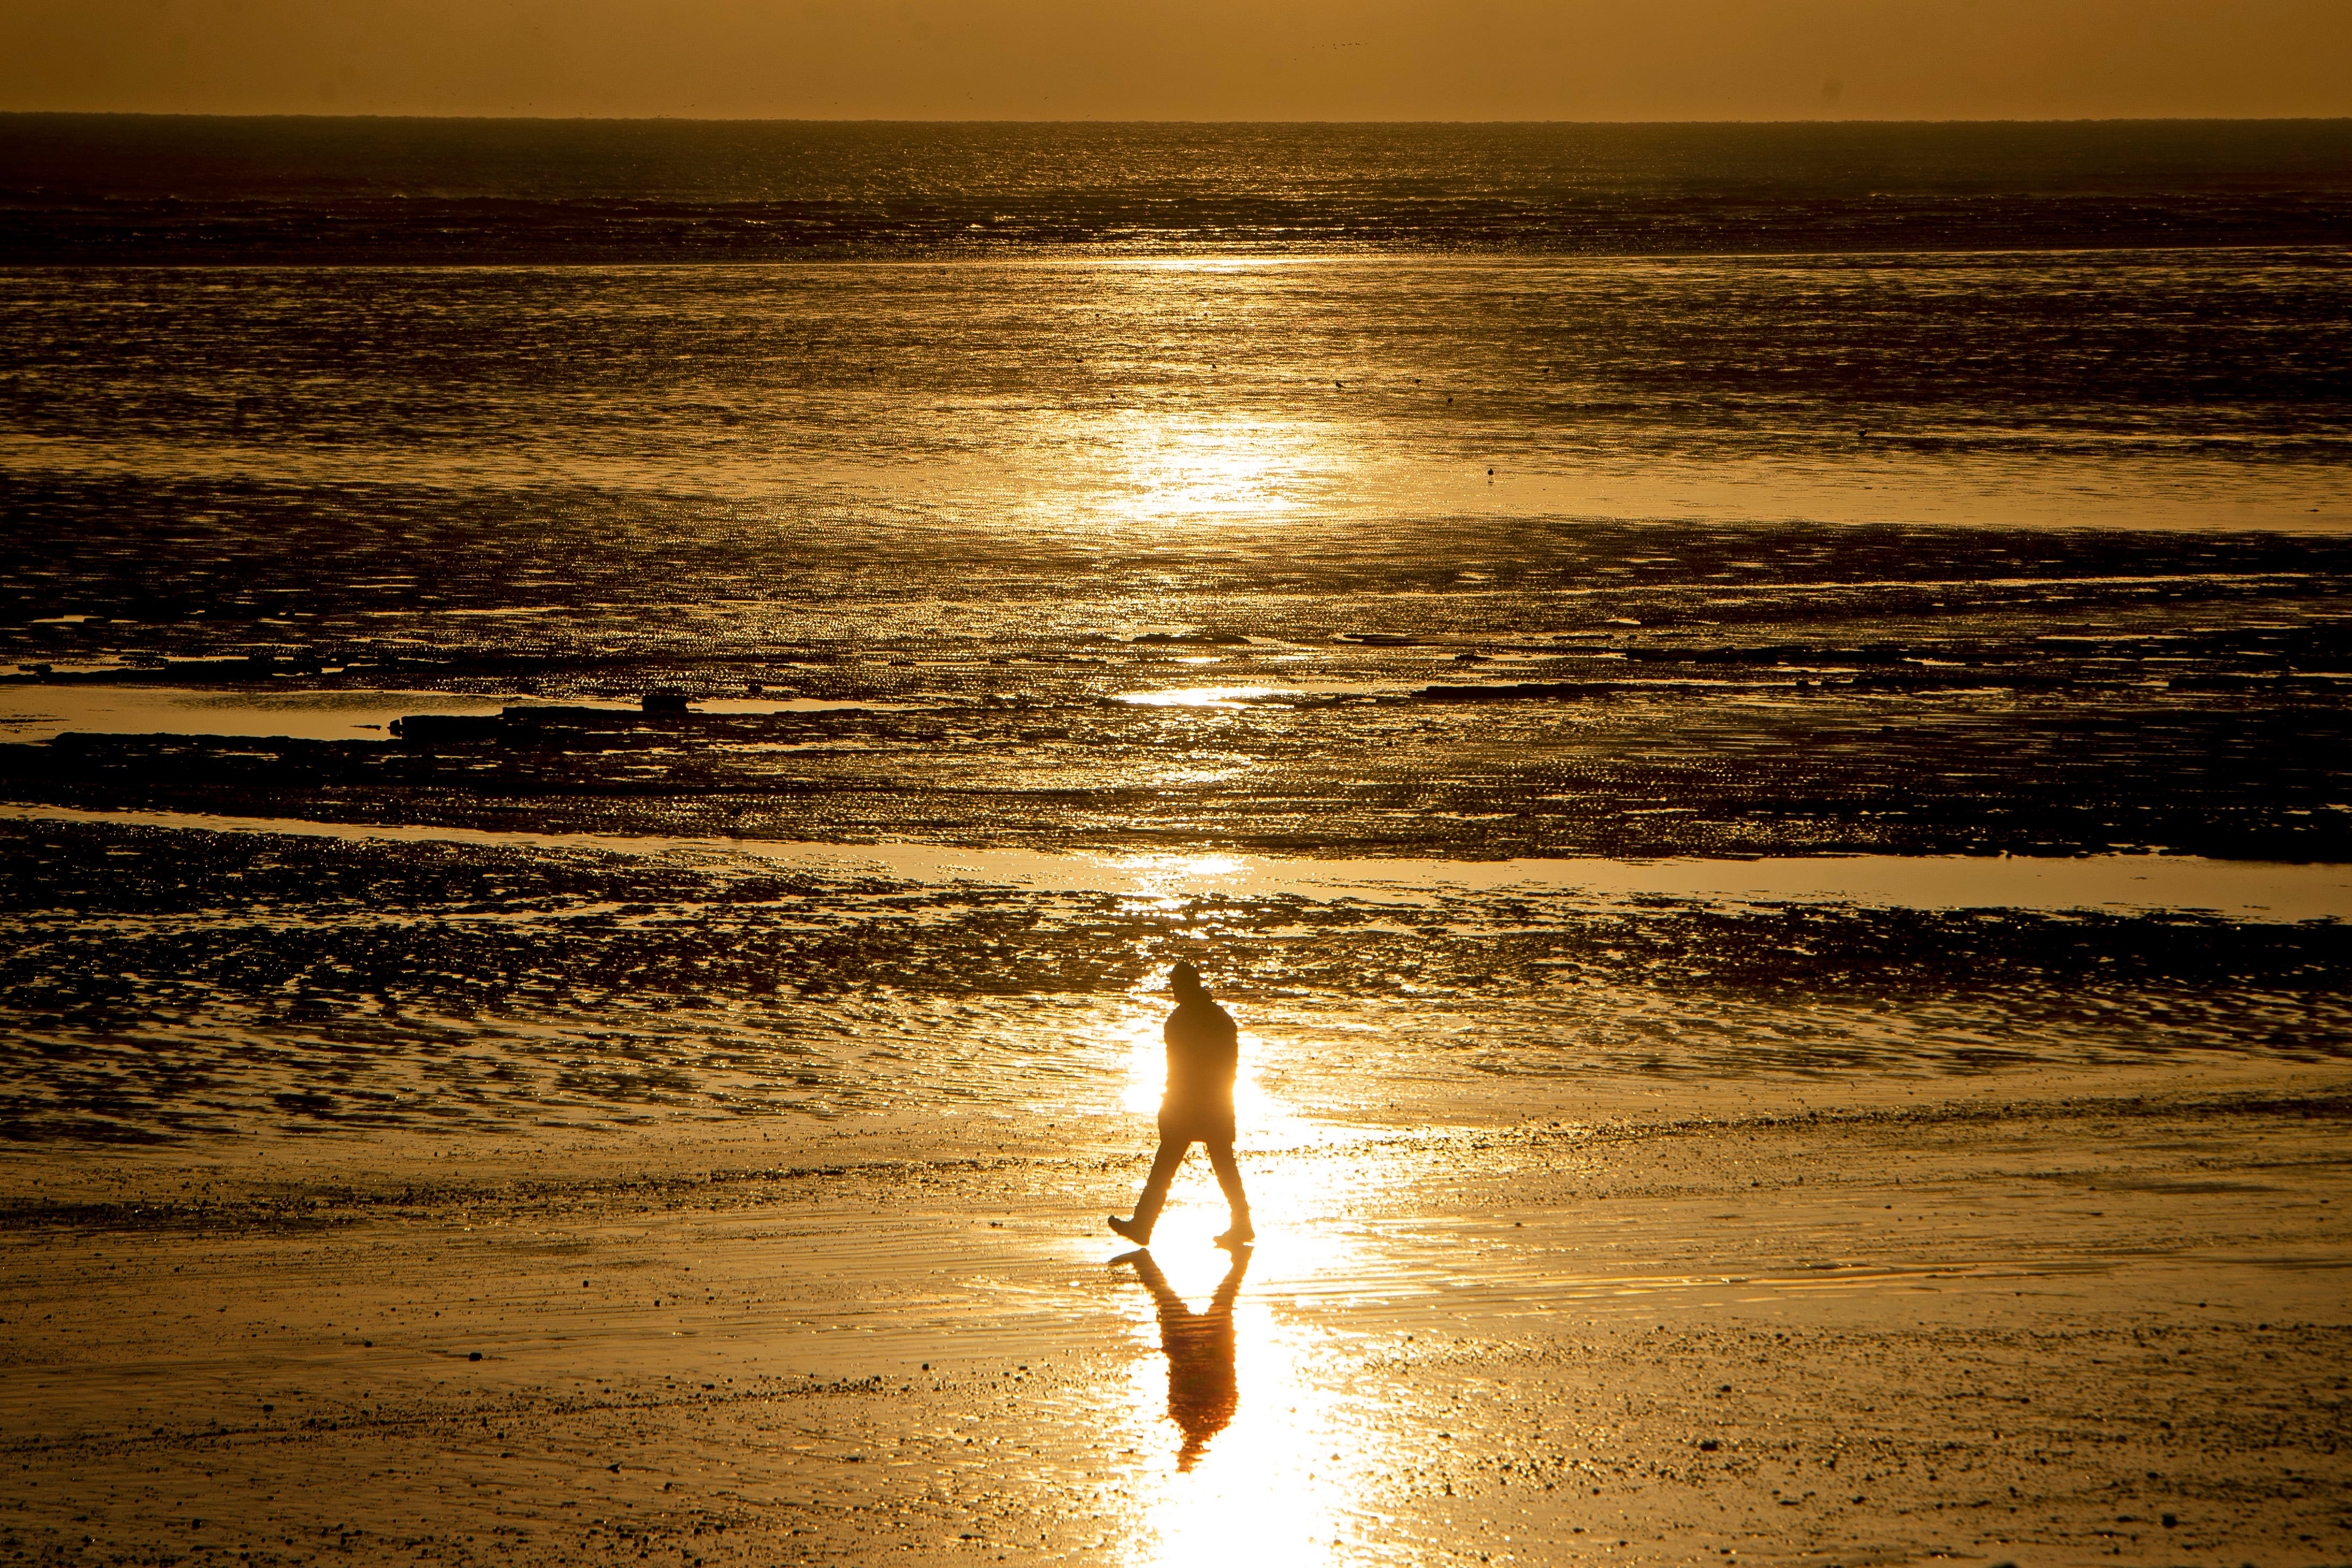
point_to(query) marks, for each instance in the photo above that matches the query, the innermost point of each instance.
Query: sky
(1185, 59)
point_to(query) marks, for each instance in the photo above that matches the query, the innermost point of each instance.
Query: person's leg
(1155, 1189)
(1229, 1179)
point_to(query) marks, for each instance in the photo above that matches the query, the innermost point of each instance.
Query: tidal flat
(609, 737)
(2050, 1330)
(384, 1195)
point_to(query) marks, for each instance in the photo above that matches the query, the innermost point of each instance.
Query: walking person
(1204, 1054)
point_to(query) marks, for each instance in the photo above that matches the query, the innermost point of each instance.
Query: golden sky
(1206, 59)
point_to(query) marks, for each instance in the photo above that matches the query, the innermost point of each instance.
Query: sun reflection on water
(1171, 877)
(1227, 697)
(1245, 1444)
(1244, 1454)
(1193, 469)
(1260, 1115)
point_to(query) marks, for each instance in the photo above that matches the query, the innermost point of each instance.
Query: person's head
(1185, 981)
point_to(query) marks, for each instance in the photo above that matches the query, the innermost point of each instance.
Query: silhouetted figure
(1202, 1389)
(1203, 1053)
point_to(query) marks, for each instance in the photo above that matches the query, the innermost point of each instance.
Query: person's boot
(1241, 1234)
(1134, 1231)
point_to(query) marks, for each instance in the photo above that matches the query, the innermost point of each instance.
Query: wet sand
(1776, 828)
(1611, 1212)
(243, 995)
(2092, 1327)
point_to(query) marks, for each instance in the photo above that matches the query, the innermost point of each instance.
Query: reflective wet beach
(1781, 1336)
(1775, 824)
(188, 981)
(1558, 1183)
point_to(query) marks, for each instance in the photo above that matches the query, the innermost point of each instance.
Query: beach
(1995, 1254)
(611, 734)
(1970, 1328)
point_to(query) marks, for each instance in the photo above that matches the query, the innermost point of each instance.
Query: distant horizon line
(885, 119)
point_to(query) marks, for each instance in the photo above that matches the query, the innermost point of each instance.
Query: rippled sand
(230, 993)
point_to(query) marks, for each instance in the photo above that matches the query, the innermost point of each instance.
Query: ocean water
(161, 187)
(1171, 496)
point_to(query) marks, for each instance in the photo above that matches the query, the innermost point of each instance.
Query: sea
(598, 628)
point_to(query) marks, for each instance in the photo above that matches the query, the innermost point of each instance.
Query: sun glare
(1252, 1462)
(1180, 876)
(1250, 1446)
(1256, 1111)
(1233, 696)
(1157, 469)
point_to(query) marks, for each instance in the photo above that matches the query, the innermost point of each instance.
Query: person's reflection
(1202, 1391)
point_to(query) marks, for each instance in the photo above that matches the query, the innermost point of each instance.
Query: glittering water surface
(1067, 402)
(83, 187)
(183, 979)
(608, 734)
(1351, 598)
